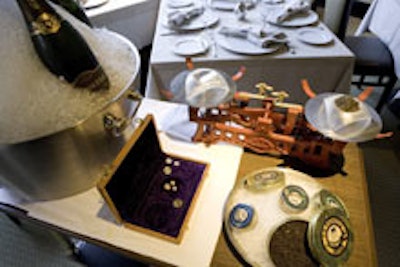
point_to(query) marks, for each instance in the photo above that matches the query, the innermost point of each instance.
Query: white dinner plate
(88, 4)
(190, 46)
(205, 20)
(314, 36)
(298, 20)
(179, 3)
(242, 46)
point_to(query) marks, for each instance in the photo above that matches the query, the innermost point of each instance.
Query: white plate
(242, 46)
(205, 20)
(298, 20)
(190, 46)
(93, 3)
(179, 3)
(314, 36)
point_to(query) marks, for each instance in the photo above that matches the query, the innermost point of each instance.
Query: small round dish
(241, 215)
(330, 237)
(190, 46)
(264, 179)
(314, 36)
(294, 198)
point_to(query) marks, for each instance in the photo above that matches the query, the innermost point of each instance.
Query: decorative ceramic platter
(266, 200)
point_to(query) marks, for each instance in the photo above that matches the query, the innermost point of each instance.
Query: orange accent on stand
(384, 135)
(168, 95)
(189, 63)
(307, 89)
(365, 94)
(239, 74)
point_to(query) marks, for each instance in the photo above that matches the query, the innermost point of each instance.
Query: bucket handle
(114, 125)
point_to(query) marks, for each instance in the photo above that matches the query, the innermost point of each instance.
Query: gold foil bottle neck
(46, 24)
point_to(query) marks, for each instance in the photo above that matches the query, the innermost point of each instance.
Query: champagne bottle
(75, 9)
(61, 47)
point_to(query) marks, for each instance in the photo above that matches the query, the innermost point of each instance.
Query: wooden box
(151, 191)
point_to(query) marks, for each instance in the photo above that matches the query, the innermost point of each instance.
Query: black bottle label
(61, 47)
(93, 80)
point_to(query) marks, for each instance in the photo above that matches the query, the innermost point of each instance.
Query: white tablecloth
(327, 67)
(135, 19)
(383, 19)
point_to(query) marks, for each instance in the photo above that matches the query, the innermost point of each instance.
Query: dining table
(310, 51)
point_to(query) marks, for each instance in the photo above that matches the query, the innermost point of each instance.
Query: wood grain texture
(352, 189)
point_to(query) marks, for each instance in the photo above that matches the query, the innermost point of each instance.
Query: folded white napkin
(255, 35)
(234, 32)
(292, 8)
(180, 17)
(242, 32)
(266, 42)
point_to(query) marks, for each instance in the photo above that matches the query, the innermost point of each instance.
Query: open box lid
(149, 190)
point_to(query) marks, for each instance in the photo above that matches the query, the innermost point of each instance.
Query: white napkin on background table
(234, 32)
(255, 35)
(292, 8)
(180, 17)
(265, 42)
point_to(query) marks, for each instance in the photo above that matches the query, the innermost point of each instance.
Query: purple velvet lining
(137, 187)
(156, 210)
